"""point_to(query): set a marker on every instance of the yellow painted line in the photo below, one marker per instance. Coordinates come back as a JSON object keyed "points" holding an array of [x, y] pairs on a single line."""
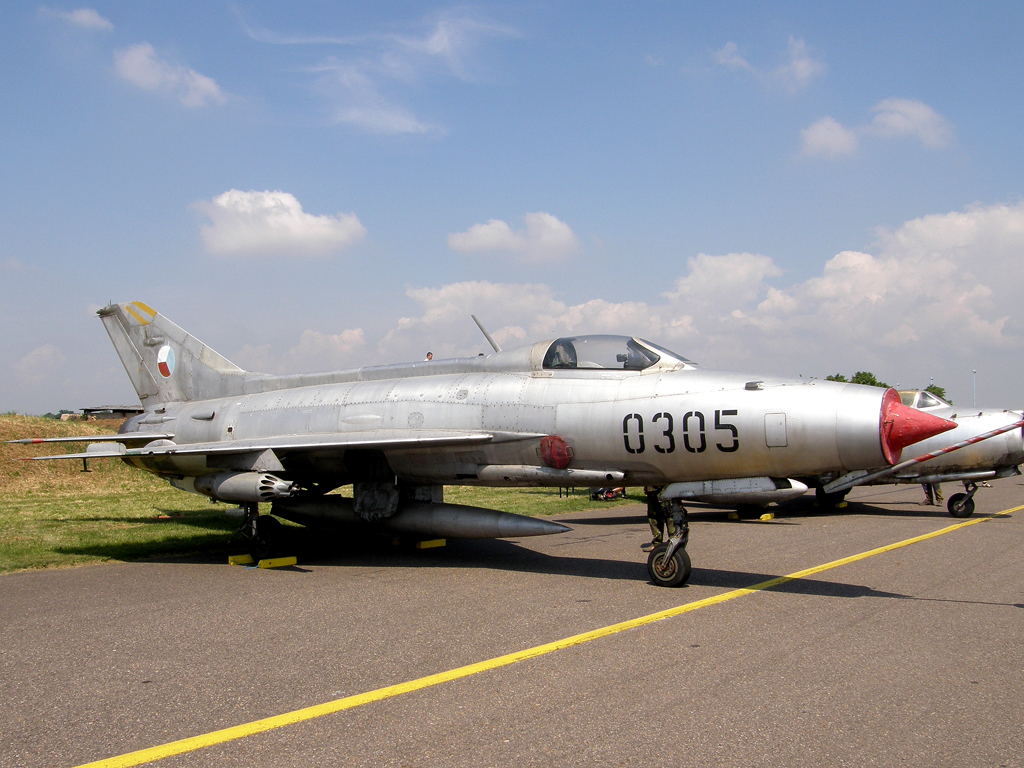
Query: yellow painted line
{"points": [[136, 315], [194, 743]]}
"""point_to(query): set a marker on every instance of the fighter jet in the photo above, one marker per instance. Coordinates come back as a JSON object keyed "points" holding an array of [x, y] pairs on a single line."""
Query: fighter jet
{"points": [[998, 456], [574, 411]]}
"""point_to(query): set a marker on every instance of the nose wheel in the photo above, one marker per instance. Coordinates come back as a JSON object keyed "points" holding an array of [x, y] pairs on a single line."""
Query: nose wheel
{"points": [[668, 570], [962, 504], [668, 565]]}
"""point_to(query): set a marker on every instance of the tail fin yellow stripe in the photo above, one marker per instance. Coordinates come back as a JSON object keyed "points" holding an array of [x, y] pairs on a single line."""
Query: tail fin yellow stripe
{"points": [[149, 311], [136, 315]]}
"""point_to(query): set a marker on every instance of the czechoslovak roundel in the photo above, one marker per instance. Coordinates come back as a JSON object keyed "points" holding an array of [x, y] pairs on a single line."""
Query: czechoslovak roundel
{"points": [[165, 361]]}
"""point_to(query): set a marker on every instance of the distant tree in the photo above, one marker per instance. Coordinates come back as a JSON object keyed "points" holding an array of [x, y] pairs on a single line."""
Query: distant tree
{"points": [[867, 378], [836, 377], [56, 415], [938, 391]]}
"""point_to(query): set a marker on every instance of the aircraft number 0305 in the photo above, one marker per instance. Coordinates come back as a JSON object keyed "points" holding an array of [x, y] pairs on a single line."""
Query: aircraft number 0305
{"points": [[693, 428]]}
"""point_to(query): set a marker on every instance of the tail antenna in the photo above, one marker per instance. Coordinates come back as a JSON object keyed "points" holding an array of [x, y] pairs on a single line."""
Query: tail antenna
{"points": [[487, 336]]}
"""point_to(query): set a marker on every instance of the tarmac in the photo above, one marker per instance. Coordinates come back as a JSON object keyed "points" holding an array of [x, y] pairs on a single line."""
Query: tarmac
{"points": [[910, 655]]}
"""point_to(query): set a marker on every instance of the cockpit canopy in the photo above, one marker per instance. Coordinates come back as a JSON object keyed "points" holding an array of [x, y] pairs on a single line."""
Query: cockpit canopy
{"points": [[606, 352], [922, 400]]}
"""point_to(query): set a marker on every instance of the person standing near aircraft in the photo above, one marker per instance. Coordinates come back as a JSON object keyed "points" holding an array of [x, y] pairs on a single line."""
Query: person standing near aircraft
{"points": [[932, 495]]}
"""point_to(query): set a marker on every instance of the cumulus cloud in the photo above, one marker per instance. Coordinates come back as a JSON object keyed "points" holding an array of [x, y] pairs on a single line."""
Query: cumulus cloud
{"points": [[142, 67], [828, 137], [935, 295], [797, 72], [39, 365], [273, 223], [894, 119], [728, 56], [800, 69], [545, 236], [315, 351], [85, 18]]}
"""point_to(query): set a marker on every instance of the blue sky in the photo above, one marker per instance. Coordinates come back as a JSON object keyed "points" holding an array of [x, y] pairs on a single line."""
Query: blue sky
{"points": [[796, 190]]}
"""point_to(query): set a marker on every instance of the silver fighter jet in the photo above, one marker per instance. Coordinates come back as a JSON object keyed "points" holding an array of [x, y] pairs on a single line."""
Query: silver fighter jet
{"points": [[574, 411], [997, 456]]}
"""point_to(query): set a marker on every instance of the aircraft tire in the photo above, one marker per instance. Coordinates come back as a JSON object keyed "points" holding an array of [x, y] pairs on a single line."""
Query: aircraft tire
{"points": [[749, 511], [672, 573], [960, 505], [268, 536], [829, 499]]}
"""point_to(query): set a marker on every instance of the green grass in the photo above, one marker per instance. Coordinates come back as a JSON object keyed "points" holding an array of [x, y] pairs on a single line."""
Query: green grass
{"points": [[38, 530], [53, 515]]}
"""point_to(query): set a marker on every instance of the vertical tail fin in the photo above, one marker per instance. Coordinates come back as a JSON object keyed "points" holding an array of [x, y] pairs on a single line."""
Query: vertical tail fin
{"points": [[165, 363]]}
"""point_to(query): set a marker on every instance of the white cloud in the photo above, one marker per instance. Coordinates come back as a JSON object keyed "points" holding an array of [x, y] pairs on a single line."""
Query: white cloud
{"points": [[828, 137], [315, 351], [800, 69], [140, 66], [381, 118], [938, 294], [544, 237], [273, 223], [327, 348], [86, 18], [894, 118], [728, 56], [367, 88], [39, 365]]}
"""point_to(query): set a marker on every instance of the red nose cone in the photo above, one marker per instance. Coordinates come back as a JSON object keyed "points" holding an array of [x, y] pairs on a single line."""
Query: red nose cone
{"points": [[900, 426]]}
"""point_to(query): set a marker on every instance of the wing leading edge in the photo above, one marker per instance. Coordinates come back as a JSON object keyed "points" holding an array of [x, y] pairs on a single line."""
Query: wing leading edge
{"points": [[378, 439]]}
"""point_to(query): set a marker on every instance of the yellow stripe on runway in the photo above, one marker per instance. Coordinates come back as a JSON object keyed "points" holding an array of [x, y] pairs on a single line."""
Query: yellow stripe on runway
{"points": [[350, 702]]}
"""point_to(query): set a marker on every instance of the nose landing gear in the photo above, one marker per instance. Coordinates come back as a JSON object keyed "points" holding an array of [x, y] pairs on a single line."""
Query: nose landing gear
{"points": [[668, 565], [962, 504]]}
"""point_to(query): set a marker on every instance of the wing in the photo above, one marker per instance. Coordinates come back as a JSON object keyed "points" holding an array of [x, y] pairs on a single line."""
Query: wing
{"points": [[126, 439], [382, 439]]}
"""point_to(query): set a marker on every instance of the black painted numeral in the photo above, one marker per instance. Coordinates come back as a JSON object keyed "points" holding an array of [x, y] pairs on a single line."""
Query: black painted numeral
{"points": [[719, 424], [639, 433], [703, 444], [666, 417]]}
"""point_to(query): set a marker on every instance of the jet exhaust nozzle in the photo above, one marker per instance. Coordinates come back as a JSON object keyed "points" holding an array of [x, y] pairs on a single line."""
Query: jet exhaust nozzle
{"points": [[253, 487], [432, 520]]}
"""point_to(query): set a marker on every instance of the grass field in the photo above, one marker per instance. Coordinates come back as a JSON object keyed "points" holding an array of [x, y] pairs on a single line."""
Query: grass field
{"points": [[52, 514]]}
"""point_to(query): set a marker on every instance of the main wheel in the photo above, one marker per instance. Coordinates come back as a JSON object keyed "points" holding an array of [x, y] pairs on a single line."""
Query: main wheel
{"points": [[669, 572], [268, 536], [749, 511], [829, 499], [960, 505]]}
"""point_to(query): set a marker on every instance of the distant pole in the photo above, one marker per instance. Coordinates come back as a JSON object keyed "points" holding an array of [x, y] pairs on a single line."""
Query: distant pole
{"points": [[974, 385]]}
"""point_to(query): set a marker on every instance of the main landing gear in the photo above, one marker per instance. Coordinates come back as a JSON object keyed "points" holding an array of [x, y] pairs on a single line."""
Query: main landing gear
{"points": [[962, 504], [668, 565], [259, 532]]}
